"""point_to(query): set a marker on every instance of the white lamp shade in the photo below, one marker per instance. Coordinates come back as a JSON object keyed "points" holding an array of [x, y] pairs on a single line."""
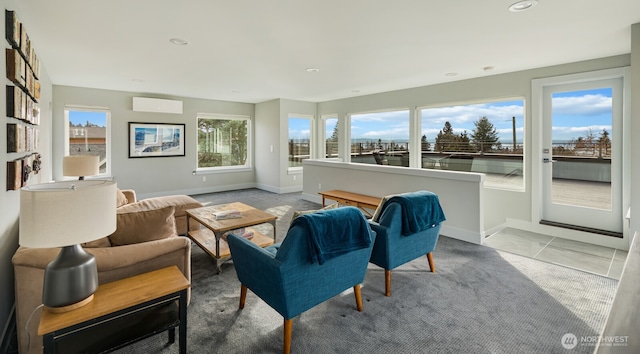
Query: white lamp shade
{"points": [[66, 213], [81, 165]]}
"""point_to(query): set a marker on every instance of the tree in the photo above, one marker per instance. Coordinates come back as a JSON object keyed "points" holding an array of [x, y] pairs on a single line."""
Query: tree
{"points": [[448, 141], [604, 143], [425, 144], [334, 136], [332, 142], [485, 136]]}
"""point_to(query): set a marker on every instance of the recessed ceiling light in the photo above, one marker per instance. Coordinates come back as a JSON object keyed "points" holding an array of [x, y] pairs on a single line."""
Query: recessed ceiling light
{"points": [[451, 74], [178, 41], [312, 70], [523, 5]]}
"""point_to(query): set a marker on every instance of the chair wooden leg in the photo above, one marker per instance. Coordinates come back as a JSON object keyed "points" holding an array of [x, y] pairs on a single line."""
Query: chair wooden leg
{"points": [[356, 291], [288, 325], [431, 265], [387, 282], [243, 295]]}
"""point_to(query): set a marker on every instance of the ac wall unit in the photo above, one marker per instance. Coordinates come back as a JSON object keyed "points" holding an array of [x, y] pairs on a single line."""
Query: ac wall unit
{"points": [[156, 105]]}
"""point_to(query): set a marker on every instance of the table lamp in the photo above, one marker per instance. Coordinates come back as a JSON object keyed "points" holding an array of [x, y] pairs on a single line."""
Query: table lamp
{"points": [[66, 214], [81, 165]]}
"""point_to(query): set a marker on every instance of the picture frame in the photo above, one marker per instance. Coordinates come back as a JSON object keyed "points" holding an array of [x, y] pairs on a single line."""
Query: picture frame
{"points": [[156, 140]]}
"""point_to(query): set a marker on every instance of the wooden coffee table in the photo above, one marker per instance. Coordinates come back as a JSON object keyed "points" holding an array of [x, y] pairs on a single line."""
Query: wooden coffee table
{"points": [[210, 239]]}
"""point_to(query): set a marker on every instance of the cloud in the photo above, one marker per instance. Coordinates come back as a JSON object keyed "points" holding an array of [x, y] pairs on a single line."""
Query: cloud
{"points": [[580, 131], [589, 105], [467, 114]]}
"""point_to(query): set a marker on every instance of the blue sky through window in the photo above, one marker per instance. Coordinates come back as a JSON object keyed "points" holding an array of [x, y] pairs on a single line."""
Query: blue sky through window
{"points": [[82, 117], [299, 128], [576, 112]]}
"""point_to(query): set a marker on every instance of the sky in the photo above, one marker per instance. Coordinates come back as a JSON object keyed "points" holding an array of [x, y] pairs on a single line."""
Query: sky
{"points": [[299, 128], [81, 117], [574, 113]]}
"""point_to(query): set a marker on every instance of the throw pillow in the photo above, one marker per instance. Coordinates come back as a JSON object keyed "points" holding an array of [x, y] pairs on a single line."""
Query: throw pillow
{"points": [[298, 213], [378, 212], [121, 199], [143, 226], [99, 243]]}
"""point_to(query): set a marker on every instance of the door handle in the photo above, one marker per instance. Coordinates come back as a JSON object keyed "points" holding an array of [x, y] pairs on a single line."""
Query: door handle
{"points": [[548, 160]]}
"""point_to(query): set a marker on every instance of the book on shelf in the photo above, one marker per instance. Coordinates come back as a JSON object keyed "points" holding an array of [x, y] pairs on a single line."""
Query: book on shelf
{"points": [[227, 214], [242, 232]]}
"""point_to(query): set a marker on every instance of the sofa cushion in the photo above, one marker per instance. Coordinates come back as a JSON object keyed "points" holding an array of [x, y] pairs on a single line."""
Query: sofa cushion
{"points": [[181, 203], [143, 225], [121, 198]]}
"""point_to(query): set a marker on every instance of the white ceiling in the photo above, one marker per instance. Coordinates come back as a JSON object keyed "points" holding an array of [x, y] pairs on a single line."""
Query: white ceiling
{"points": [[257, 50]]}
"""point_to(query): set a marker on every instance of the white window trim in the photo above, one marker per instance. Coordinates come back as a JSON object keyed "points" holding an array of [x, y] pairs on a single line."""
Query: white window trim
{"points": [[225, 169], [107, 111], [525, 147], [322, 135], [312, 149]]}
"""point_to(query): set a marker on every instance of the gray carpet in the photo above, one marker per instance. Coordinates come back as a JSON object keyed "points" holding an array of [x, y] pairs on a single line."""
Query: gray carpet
{"points": [[480, 301]]}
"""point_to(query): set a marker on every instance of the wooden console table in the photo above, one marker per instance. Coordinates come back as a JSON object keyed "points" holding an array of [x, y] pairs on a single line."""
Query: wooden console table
{"points": [[361, 201], [122, 312]]}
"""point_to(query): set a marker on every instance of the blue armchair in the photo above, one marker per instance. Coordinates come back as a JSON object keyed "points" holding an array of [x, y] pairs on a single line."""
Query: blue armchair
{"points": [[323, 254], [407, 226]]}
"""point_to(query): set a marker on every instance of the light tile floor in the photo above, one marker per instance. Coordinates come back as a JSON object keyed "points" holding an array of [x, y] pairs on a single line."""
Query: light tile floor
{"points": [[584, 256]]}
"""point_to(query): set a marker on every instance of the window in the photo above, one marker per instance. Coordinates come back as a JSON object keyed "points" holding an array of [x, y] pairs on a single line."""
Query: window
{"points": [[330, 137], [223, 141], [88, 133], [485, 137], [299, 140], [380, 138]]}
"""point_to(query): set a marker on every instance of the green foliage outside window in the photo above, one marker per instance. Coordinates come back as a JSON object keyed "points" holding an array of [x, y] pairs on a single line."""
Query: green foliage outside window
{"points": [[222, 142]]}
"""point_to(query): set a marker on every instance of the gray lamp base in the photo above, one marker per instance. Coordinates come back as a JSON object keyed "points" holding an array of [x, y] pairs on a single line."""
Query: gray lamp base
{"points": [[70, 279]]}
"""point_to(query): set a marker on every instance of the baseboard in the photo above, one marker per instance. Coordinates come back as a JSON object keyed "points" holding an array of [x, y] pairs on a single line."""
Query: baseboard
{"points": [[278, 190], [462, 235], [315, 198], [9, 333]]}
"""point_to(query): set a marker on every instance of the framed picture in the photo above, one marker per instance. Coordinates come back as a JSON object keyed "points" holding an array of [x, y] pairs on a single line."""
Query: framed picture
{"points": [[156, 139]]}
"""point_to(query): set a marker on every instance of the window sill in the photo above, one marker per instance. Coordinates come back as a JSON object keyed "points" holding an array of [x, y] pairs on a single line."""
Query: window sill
{"points": [[211, 171]]}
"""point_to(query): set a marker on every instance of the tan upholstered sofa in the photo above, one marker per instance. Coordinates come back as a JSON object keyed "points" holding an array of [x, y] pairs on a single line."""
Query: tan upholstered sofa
{"points": [[128, 202], [146, 239]]}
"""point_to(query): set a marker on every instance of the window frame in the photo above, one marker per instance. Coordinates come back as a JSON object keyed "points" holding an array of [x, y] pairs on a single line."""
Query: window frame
{"points": [[349, 134], [323, 137], [248, 166], [108, 140], [311, 118], [488, 101]]}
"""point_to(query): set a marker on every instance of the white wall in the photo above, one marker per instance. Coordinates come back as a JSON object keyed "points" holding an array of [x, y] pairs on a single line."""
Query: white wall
{"points": [[157, 175], [460, 194], [272, 147], [10, 200], [635, 128], [267, 145]]}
